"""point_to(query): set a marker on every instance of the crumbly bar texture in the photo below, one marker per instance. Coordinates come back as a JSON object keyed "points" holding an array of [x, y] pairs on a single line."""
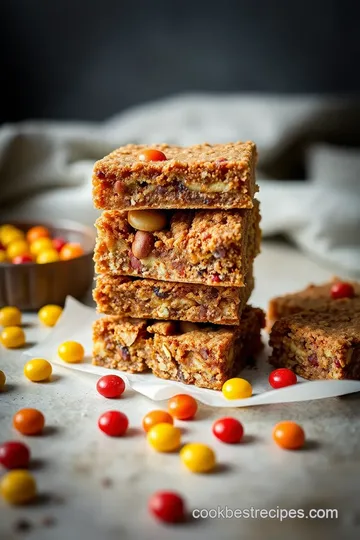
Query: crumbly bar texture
{"points": [[153, 299], [212, 247], [205, 356], [312, 297], [319, 344], [201, 176]]}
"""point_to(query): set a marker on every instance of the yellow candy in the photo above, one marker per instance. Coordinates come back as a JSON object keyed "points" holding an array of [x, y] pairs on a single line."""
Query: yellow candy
{"points": [[41, 244], [237, 389], [18, 487], [12, 337], [37, 370], [2, 379], [18, 247], [49, 314], [71, 352], [5, 228], [10, 316], [3, 257], [47, 256], [10, 235], [198, 457], [164, 437]]}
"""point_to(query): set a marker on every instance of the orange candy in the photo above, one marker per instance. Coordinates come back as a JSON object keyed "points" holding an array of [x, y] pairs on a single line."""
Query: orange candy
{"points": [[152, 155], [71, 251], [289, 435], [153, 418], [182, 407], [37, 232], [29, 421]]}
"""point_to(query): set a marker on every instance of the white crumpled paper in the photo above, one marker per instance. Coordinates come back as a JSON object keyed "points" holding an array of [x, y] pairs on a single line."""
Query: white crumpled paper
{"points": [[75, 324]]}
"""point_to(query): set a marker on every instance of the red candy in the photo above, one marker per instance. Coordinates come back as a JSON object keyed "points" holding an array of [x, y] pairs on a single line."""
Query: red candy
{"points": [[22, 259], [58, 244], [167, 506], [228, 430], [279, 378], [342, 290], [110, 386], [113, 423], [152, 155], [14, 455]]}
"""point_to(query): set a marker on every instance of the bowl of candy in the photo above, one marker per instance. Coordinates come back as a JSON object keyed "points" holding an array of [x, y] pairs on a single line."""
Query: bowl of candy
{"points": [[42, 264]]}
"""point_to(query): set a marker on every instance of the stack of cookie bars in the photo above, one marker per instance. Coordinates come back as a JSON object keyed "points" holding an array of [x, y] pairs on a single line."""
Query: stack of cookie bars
{"points": [[174, 257]]}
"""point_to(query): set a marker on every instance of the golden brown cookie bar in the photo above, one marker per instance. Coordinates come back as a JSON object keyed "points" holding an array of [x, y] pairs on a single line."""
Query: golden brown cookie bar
{"points": [[201, 176], [204, 355], [322, 343], [153, 299], [312, 297], [212, 247]]}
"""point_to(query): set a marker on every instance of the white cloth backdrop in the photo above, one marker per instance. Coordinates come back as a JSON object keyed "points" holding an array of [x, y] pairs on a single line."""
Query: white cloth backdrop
{"points": [[45, 167]]}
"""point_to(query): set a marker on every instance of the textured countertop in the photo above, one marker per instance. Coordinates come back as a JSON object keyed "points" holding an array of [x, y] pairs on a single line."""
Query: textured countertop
{"points": [[93, 487]]}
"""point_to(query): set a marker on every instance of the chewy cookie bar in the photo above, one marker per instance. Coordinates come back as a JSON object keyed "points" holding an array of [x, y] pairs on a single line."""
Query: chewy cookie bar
{"points": [[313, 297], [212, 247], [150, 299], [319, 344], [201, 176], [204, 355]]}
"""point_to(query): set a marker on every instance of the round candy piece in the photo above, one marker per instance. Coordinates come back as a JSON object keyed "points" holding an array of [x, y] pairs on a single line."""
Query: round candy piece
{"points": [[22, 259], [10, 235], [164, 437], [2, 379], [71, 251], [37, 232], [237, 388], [3, 230], [182, 407], [155, 417], [14, 455], [38, 370], [110, 386], [47, 256], [113, 423], [342, 290], [39, 245], [29, 421], [289, 435], [71, 352], [198, 457], [279, 378], [18, 487], [58, 243], [152, 155], [12, 337], [228, 430], [50, 314], [10, 316], [16, 248], [147, 220], [167, 506]]}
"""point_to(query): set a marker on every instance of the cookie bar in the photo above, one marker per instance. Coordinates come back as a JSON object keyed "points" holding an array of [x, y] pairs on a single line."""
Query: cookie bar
{"points": [[201, 176], [212, 247], [319, 344], [204, 355], [312, 297], [150, 299]]}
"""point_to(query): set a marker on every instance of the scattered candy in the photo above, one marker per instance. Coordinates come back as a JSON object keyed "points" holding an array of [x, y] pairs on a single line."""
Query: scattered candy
{"points": [[18, 487], [39, 245], [155, 417], [58, 244], [164, 437], [16, 248], [113, 423], [342, 290], [47, 256], [182, 407], [50, 314], [228, 430], [14, 455], [10, 316], [2, 379], [152, 155], [12, 337], [167, 506], [71, 352], [237, 388], [37, 232], [22, 259], [279, 378], [289, 435], [37, 370], [198, 457], [71, 251], [29, 421], [110, 386]]}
